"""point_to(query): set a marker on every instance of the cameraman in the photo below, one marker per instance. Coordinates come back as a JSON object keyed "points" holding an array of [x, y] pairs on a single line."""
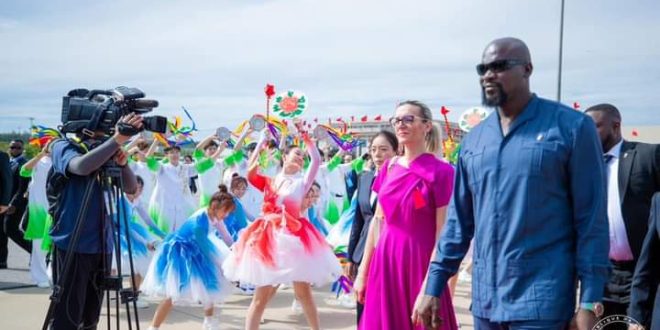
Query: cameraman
{"points": [[82, 295]]}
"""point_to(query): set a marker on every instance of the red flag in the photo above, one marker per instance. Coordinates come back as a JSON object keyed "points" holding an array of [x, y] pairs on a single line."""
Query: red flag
{"points": [[377, 118], [363, 119], [444, 111], [634, 132], [339, 119], [576, 106]]}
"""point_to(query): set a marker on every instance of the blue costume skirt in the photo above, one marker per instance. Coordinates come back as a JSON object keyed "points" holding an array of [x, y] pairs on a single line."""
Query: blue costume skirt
{"points": [[187, 266]]}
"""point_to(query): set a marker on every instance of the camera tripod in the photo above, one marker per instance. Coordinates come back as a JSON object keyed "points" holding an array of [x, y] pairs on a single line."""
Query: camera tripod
{"points": [[110, 181]]}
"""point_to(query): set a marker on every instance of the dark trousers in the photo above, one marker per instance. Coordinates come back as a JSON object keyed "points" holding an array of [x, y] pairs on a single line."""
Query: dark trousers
{"points": [[10, 229], [485, 324], [360, 309], [617, 291], [82, 296]]}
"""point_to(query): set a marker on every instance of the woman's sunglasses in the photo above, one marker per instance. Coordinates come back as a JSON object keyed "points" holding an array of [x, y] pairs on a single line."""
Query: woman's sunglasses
{"points": [[406, 120]]}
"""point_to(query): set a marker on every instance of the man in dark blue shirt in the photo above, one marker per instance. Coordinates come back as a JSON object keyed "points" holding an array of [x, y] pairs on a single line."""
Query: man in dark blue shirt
{"points": [[82, 296], [530, 188]]}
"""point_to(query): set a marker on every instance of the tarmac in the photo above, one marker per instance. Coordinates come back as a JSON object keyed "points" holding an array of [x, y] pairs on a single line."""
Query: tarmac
{"points": [[24, 306]]}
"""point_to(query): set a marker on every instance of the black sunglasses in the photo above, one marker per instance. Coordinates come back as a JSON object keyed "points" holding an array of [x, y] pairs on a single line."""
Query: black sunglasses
{"points": [[15, 148], [498, 66]]}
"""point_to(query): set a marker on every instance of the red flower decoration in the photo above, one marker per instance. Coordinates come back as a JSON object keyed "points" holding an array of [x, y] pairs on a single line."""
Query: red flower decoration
{"points": [[444, 111], [269, 90]]}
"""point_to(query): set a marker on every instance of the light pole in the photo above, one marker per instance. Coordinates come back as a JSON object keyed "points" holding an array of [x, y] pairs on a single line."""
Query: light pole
{"points": [[561, 46]]}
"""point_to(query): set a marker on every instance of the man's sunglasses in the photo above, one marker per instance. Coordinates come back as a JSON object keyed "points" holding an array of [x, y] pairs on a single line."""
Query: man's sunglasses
{"points": [[15, 148], [498, 66], [406, 120]]}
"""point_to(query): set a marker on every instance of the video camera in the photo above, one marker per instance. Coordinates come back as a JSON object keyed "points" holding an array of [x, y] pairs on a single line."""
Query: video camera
{"points": [[85, 111]]}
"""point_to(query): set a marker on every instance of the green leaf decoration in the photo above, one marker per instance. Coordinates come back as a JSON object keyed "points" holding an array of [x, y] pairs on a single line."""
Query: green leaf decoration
{"points": [[302, 99], [278, 99], [290, 93]]}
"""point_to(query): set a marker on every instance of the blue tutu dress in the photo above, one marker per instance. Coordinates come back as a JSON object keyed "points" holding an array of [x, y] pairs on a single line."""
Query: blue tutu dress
{"points": [[187, 266], [140, 238]]}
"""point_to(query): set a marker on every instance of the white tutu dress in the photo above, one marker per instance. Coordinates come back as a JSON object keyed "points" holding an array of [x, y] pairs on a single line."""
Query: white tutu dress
{"points": [[281, 246]]}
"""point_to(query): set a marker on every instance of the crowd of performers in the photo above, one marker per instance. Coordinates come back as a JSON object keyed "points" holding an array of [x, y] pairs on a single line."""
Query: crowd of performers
{"points": [[279, 212]]}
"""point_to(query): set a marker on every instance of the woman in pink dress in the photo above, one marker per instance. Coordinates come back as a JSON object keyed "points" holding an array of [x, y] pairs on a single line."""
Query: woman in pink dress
{"points": [[413, 193]]}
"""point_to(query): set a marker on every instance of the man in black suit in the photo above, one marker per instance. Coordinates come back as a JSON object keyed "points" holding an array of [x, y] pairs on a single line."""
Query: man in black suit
{"points": [[633, 176], [5, 182], [363, 215], [647, 275], [17, 204]]}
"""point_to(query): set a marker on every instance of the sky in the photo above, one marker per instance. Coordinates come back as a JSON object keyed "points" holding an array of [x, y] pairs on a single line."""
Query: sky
{"points": [[348, 57]]}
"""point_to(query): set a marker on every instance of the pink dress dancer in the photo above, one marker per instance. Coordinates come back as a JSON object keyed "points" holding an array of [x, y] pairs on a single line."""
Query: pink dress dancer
{"points": [[281, 247], [409, 198]]}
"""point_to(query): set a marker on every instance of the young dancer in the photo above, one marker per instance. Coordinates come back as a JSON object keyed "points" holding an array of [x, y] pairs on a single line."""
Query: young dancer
{"points": [[172, 202], [38, 219], [187, 267], [281, 247]]}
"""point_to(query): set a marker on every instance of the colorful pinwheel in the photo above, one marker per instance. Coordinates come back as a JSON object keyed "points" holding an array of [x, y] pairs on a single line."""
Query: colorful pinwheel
{"points": [[41, 135]]}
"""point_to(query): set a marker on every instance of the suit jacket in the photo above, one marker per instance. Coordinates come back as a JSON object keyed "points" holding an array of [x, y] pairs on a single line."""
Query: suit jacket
{"points": [[639, 179], [5, 179], [646, 283], [363, 216], [19, 184]]}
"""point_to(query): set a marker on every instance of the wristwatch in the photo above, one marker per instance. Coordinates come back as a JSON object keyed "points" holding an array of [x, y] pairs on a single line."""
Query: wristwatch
{"points": [[597, 308]]}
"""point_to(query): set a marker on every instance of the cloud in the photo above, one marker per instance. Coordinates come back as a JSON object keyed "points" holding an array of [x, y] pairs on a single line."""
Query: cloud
{"points": [[349, 57]]}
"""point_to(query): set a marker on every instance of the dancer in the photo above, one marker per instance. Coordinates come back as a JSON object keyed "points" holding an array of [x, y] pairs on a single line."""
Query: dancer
{"points": [[172, 201], [282, 247], [238, 219], [187, 266], [313, 213], [142, 152], [142, 241], [38, 219], [209, 167], [413, 192]]}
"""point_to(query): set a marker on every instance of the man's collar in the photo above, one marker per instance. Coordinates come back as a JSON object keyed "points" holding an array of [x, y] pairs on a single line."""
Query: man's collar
{"points": [[17, 157], [616, 150]]}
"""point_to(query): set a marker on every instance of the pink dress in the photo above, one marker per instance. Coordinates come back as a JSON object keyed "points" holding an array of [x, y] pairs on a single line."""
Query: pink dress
{"points": [[409, 198]]}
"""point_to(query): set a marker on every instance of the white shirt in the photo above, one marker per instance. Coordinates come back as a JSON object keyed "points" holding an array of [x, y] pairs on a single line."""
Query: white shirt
{"points": [[619, 246]]}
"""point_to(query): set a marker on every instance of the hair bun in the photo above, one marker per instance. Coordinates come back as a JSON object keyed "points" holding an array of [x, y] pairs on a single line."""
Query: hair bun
{"points": [[223, 188]]}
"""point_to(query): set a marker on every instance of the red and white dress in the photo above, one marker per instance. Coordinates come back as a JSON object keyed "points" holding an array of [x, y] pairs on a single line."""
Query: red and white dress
{"points": [[281, 246]]}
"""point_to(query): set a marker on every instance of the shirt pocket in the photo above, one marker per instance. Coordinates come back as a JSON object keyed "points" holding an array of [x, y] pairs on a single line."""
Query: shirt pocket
{"points": [[543, 158], [473, 160]]}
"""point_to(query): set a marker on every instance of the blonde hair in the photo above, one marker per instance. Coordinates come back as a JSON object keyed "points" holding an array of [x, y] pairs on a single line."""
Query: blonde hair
{"points": [[432, 138]]}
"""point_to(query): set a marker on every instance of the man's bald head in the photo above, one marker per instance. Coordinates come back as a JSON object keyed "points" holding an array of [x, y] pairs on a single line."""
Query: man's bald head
{"points": [[512, 48], [504, 73]]}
